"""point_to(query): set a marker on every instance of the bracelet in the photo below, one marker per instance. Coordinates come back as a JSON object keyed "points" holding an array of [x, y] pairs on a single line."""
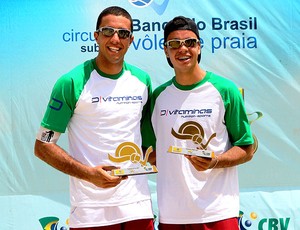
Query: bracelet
{"points": [[217, 161]]}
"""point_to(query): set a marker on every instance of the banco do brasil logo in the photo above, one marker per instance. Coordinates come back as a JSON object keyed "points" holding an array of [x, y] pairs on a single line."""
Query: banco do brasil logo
{"points": [[140, 3], [159, 8]]}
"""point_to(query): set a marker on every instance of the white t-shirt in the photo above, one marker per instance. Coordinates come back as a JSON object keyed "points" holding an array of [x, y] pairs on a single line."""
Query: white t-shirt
{"points": [[207, 115], [101, 113]]}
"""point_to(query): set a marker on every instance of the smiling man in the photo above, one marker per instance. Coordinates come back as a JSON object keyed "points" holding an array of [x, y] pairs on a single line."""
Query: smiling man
{"points": [[196, 111], [87, 102]]}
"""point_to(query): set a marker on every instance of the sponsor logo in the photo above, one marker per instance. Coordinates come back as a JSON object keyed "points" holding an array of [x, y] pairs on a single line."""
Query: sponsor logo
{"points": [[51, 223], [55, 104], [252, 221], [118, 100], [47, 136], [159, 8], [187, 112]]}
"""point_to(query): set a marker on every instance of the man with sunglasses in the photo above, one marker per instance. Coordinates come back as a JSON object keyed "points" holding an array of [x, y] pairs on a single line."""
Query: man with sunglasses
{"points": [[102, 103], [196, 112]]}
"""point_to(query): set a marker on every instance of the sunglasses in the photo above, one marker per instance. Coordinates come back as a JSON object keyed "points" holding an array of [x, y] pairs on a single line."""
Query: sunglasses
{"points": [[176, 43], [109, 31]]}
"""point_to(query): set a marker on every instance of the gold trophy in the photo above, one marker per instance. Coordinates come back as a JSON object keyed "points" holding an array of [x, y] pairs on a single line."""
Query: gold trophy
{"points": [[129, 151]]}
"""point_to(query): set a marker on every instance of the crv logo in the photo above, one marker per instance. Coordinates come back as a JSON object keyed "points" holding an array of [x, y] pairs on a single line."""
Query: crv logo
{"points": [[274, 224]]}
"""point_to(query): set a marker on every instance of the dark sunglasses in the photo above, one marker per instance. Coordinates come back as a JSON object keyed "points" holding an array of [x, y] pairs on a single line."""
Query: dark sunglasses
{"points": [[109, 31], [176, 43]]}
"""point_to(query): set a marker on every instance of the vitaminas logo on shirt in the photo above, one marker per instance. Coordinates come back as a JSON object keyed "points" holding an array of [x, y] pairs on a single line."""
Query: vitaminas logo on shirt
{"points": [[118, 100]]}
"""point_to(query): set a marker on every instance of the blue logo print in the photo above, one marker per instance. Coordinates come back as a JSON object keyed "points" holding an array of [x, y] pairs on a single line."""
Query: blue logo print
{"points": [[246, 224], [141, 3], [158, 8]]}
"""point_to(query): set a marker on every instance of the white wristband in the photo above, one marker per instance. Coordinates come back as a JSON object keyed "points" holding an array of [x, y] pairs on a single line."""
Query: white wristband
{"points": [[47, 135], [217, 161]]}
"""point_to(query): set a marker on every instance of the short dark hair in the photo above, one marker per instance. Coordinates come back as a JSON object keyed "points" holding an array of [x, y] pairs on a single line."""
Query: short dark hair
{"points": [[117, 11], [180, 23]]}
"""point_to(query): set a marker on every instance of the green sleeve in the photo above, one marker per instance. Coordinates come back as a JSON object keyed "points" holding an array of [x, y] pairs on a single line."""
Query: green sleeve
{"points": [[149, 138], [64, 97], [61, 105], [236, 119]]}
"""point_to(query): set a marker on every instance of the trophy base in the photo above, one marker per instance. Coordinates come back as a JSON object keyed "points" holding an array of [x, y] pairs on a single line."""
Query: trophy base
{"points": [[149, 169], [191, 152]]}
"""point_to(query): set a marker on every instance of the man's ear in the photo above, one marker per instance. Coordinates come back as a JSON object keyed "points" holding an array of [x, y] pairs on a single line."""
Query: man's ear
{"points": [[166, 52], [96, 35], [131, 40]]}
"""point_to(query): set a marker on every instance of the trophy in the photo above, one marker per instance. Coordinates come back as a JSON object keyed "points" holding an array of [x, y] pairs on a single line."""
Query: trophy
{"points": [[129, 151], [191, 152]]}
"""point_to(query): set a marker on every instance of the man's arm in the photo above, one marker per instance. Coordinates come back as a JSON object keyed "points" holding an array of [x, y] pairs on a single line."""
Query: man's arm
{"points": [[152, 158], [58, 158], [234, 156]]}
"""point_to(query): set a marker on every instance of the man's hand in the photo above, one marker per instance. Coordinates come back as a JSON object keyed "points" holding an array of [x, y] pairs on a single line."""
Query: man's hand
{"points": [[102, 178], [234, 156], [201, 163]]}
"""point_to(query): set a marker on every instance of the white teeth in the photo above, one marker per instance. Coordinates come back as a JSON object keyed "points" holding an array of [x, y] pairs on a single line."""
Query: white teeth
{"points": [[183, 58], [114, 49]]}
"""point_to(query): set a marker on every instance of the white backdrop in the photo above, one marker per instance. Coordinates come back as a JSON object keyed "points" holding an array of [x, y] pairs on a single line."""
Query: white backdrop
{"points": [[254, 43]]}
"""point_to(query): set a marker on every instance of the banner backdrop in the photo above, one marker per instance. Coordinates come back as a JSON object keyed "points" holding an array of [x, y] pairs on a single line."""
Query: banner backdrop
{"points": [[254, 43]]}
